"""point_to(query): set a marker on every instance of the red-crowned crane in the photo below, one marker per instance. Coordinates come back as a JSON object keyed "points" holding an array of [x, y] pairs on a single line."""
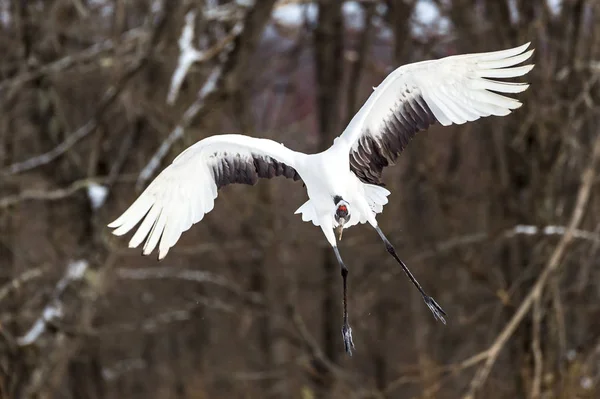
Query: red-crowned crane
{"points": [[344, 182]]}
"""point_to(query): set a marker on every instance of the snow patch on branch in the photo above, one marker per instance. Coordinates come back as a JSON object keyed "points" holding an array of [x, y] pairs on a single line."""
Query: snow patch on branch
{"points": [[221, 51], [54, 310], [209, 87], [187, 57], [97, 195], [51, 312], [552, 230]]}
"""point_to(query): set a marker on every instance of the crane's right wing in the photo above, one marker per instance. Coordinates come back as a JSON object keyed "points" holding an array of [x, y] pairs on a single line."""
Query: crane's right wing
{"points": [[186, 190], [454, 89]]}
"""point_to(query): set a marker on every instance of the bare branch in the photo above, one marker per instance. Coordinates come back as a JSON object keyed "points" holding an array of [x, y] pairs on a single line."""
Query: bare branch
{"points": [[470, 239], [121, 367], [315, 351], [63, 147], [95, 185], [110, 95], [18, 281], [54, 310], [552, 230], [230, 64], [199, 276], [154, 323], [190, 55], [129, 38], [587, 179], [536, 388], [210, 86]]}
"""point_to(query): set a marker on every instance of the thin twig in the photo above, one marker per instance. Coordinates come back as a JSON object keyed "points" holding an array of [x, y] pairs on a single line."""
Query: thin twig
{"points": [[18, 281], [150, 324], [538, 364], [450, 368], [584, 273], [121, 156], [198, 276], [559, 313], [59, 193], [315, 351], [121, 367], [63, 147], [47, 195], [68, 61]]}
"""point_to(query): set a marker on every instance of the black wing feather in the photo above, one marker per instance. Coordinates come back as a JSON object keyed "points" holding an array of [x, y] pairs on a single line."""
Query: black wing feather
{"points": [[236, 169], [401, 124]]}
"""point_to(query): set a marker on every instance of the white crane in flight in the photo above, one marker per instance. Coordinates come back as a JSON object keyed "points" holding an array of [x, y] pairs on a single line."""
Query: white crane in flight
{"points": [[344, 182]]}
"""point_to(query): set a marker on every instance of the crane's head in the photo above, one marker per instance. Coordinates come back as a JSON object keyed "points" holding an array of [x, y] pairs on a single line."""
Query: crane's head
{"points": [[341, 215]]}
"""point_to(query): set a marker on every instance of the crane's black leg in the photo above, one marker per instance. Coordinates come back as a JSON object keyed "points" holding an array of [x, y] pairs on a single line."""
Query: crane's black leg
{"points": [[438, 312], [346, 329]]}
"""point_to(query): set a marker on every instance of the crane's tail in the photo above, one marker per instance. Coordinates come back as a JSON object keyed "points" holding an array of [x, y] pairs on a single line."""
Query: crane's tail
{"points": [[376, 196], [309, 213]]}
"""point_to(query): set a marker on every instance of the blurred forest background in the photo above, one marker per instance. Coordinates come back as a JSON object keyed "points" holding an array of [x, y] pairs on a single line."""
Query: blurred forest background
{"points": [[496, 218]]}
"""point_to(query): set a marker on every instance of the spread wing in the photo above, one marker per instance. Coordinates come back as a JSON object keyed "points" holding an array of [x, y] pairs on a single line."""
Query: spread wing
{"points": [[454, 89], [186, 190]]}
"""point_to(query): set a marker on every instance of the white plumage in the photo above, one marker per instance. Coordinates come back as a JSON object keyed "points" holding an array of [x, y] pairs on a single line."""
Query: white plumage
{"points": [[343, 182]]}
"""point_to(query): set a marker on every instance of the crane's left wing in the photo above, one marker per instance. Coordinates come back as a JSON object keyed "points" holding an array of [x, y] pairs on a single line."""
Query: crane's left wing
{"points": [[186, 190], [449, 90]]}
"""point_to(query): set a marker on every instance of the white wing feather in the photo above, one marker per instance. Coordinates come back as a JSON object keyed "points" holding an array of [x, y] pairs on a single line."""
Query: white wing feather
{"points": [[455, 88], [186, 190]]}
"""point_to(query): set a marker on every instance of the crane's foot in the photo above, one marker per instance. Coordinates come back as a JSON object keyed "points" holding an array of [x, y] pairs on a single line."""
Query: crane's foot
{"points": [[437, 310], [347, 334]]}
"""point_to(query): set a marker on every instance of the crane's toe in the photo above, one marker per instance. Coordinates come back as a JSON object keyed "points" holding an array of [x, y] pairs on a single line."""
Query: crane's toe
{"points": [[348, 342], [437, 310]]}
